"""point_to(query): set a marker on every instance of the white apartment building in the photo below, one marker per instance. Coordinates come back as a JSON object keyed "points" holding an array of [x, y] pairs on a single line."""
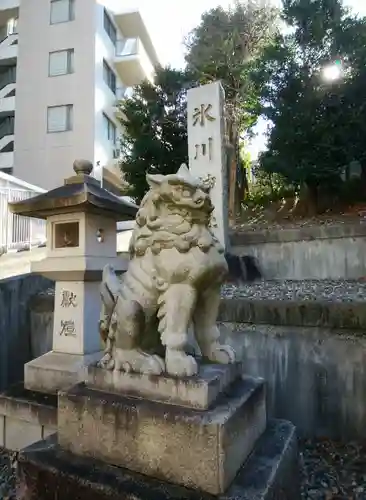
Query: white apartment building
{"points": [[64, 64]]}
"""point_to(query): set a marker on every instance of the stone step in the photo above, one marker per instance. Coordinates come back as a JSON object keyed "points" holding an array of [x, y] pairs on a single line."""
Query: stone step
{"points": [[199, 391], [322, 303], [195, 448], [271, 471], [25, 417]]}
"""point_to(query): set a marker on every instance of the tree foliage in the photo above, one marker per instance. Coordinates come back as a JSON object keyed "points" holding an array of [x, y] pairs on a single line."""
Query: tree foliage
{"points": [[225, 46], [318, 125], [155, 129]]}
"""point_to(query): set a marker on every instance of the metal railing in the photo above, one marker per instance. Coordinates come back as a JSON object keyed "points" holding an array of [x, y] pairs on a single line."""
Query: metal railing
{"points": [[18, 232], [134, 47], [127, 47]]}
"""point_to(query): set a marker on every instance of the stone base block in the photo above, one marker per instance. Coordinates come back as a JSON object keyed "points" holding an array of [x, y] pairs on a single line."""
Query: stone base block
{"points": [[271, 473], [198, 392], [26, 417], [198, 449], [56, 371]]}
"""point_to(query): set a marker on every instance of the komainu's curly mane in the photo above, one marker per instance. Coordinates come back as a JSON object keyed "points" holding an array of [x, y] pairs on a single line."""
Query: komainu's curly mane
{"points": [[170, 218]]}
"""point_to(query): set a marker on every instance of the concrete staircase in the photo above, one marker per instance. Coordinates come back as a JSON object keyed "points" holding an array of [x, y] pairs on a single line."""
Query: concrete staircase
{"points": [[307, 340]]}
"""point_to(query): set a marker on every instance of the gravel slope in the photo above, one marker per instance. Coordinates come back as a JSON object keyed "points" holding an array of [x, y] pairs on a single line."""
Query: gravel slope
{"points": [[328, 290]]}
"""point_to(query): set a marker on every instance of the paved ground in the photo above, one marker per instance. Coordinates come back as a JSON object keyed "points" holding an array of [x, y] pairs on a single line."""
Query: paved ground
{"points": [[330, 471]]}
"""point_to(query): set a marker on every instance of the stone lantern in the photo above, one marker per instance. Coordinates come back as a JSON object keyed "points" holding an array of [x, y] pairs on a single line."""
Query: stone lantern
{"points": [[81, 221]]}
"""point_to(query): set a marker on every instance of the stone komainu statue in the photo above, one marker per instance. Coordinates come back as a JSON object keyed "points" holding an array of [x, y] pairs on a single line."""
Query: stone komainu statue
{"points": [[172, 283]]}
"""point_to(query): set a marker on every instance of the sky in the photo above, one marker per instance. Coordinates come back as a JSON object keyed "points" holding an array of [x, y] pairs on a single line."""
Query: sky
{"points": [[169, 21]]}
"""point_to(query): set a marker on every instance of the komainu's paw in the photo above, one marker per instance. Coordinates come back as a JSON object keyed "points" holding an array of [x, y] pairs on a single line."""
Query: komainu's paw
{"points": [[134, 360], [223, 354], [180, 364], [154, 365], [107, 362]]}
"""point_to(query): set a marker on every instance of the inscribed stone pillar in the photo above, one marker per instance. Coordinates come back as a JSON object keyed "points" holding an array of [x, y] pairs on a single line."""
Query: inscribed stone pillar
{"points": [[206, 148]]}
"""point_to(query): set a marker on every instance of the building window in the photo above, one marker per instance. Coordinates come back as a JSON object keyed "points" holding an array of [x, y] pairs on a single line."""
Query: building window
{"points": [[12, 26], [59, 118], [62, 11], [61, 62], [110, 129], [109, 77], [109, 27]]}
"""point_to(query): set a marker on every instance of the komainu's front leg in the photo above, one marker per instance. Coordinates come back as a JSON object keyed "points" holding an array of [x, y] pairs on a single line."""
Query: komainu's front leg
{"points": [[176, 306], [122, 324], [128, 356], [206, 330]]}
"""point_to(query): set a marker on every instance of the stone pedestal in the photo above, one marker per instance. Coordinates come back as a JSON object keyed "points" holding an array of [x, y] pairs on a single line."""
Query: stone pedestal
{"points": [[47, 471], [199, 392], [197, 438], [198, 449], [56, 371]]}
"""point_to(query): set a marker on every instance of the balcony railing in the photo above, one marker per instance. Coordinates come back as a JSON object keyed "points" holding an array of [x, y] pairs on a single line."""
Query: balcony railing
{"points": [[7, 127], [18, 232], [133, 62], [133, 47], [9, 46], [128, 47], [8, 77]]}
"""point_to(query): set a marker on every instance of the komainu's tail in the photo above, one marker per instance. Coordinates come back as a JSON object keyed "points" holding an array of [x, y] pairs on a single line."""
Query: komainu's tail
{"points": [[109, 289], [242, 268], [110, 285]]}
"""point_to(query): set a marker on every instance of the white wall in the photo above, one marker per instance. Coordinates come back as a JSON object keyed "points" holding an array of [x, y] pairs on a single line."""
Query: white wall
{"points": [[104, 97], [41, 158]]}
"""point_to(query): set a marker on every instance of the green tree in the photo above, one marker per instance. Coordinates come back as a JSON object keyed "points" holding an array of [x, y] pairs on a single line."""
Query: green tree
{"points": [[155, 129], [225, 46], [316, 123]]}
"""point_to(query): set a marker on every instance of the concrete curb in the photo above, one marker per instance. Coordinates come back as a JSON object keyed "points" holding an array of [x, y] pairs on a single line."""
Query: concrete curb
{"points": [[340, 315], [261, 236]]}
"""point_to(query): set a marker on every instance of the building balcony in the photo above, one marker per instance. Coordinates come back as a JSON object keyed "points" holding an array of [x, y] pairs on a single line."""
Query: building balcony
{"points": [[7, 99], [120, 96], [7, 91], [7, 161], [7, 143], [132, 25], [6, 150], [9, 49], [132, 62], [9, 4]]}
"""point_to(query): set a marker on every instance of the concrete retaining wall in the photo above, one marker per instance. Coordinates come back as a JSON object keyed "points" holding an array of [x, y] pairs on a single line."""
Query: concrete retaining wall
{"points": [[15, 328], [319, 252], [316, 377], [26, 417], [312, 355], [317, 313]]}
